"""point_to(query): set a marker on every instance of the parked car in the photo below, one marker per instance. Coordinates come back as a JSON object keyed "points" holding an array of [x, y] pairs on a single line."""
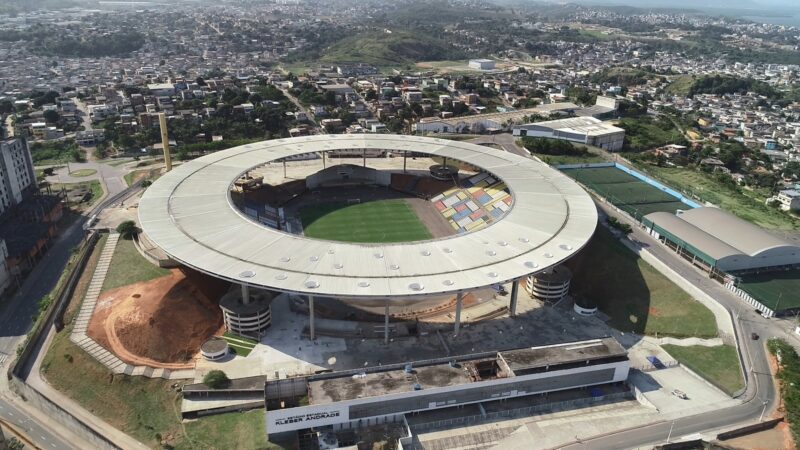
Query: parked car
{"points": [[754, 336], [680, 394]]}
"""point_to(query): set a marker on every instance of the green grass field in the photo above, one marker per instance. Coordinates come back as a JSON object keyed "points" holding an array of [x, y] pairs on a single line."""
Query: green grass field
{"points": [[774, 290], [128, 267], [746, 204], [625, 191], [375, 222], [82, 173], [242, 346], [719, 365], [636, 296]]}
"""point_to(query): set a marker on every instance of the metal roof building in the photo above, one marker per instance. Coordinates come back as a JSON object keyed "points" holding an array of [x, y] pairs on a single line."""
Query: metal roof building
{"points": [[721, 241], [189, 214], [586, 130]]}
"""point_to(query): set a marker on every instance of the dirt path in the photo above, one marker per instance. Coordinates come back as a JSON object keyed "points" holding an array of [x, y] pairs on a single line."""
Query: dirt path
{"points": [[434, 220]]}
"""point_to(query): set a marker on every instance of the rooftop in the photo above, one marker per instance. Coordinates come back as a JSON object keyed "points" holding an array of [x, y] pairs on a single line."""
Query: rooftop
{"points": [[188, 213], [384, 383], [373, 382], [529, 358]]}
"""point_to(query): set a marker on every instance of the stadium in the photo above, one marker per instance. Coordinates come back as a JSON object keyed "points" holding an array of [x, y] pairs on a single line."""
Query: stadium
{"points": [[501, 218], [372, 237]]}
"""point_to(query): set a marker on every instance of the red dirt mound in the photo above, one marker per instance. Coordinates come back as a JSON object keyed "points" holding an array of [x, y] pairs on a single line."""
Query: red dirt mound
{"points": [[161, 322]]}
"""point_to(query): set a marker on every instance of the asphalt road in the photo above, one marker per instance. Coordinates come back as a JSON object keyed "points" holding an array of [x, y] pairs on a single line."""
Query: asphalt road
{"points": [[39, 434], [16, 314], [760, 391]]}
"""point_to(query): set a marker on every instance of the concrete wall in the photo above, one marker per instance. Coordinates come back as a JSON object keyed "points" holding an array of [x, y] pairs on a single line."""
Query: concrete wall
{"points": [[39, 401], [357, 174]]}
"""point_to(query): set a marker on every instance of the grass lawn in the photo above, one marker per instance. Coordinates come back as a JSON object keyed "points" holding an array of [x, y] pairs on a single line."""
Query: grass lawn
{"points": [[555, 160], [128, 267], [680, 85], [636, 296], [94, 187], [147, 409], [745, 204], [118, 162], [83, 173], [242, 346], [774, 289], [719, 365], [243, 430], [376, 221]]}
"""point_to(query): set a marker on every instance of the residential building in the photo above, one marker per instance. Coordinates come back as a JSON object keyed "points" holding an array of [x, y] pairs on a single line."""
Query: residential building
{"points": [[16, 172], [788, 200]]}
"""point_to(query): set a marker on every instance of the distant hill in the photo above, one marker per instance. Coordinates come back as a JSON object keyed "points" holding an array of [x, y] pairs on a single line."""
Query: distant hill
{"points": [[687, 85], [382, 49], [18, 6]]}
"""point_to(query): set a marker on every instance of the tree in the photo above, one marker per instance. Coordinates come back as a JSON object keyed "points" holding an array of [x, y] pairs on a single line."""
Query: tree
{"points": [[127, 229], [51, 116], [216, 379]]}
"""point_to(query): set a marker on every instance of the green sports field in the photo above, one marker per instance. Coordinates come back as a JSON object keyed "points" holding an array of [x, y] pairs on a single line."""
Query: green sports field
{"points": [[773, 289], [374, 222], [625, 191]]}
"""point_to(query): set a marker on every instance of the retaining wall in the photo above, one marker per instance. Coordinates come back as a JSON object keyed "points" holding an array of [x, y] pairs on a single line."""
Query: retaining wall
{"points": [[59, 414]]}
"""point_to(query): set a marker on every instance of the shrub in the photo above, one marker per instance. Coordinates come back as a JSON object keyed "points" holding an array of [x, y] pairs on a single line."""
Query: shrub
{"points": [[789, 375], [127, 229], [216, 379], [624, 228]]}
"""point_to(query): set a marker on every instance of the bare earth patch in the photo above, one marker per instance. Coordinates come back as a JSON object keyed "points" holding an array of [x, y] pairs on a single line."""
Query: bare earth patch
{"points": [[161, 322]]}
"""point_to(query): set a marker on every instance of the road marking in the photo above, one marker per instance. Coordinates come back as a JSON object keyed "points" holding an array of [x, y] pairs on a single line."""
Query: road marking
{"points": [[3, 357]]}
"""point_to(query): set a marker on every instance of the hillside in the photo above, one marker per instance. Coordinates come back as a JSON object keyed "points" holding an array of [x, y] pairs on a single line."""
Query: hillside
{"points": [[384, 49], [719, 85]]}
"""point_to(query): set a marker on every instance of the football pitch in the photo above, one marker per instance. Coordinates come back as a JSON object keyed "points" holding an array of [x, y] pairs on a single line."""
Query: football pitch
{"points": [[379, 221]]}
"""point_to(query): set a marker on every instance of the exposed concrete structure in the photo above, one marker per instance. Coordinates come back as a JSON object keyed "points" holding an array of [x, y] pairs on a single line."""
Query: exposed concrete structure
{"points": [[247, 313], [549, 285]]}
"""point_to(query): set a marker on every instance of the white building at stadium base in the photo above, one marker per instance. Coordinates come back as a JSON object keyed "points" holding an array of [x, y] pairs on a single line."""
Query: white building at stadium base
{"points": [[584, 130], [364, 397]]}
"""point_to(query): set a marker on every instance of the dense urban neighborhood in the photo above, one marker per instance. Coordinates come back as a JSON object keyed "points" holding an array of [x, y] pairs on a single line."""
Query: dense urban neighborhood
{"points": [[633, 173]]}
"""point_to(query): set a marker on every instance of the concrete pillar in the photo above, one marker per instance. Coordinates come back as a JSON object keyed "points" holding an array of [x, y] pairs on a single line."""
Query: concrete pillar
{"points": [[512, 308], [386, 321], [284, 168], [245, 294], [311, 317], [162, 122], [364, 157], [405, 156], [323, 159], [457, 325]]}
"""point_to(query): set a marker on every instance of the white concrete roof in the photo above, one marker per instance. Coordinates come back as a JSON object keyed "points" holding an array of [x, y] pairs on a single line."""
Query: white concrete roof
{"points": [[189, 214]]}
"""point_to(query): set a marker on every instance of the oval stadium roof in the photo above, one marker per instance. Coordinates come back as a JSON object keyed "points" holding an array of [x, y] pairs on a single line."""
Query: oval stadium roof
{"points": [[189, 214]]}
